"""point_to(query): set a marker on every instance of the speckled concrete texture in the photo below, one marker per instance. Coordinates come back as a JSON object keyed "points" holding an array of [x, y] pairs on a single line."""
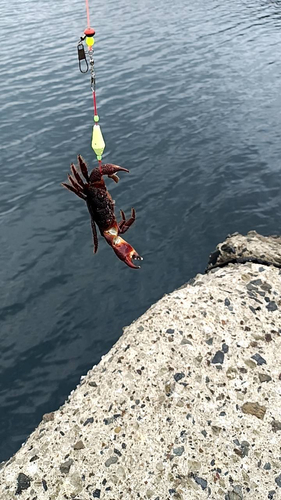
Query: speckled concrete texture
{"points": [[186, 405], [252, 247]]}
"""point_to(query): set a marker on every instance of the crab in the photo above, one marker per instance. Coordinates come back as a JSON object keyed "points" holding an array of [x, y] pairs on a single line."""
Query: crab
{"points": [[93, 191]]}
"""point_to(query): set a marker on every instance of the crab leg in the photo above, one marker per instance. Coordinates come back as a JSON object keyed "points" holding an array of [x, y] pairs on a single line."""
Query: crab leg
{"points": [[95, 236], [125, 224], [77, 176], [74, 183], [83, 167], [74, 190]]}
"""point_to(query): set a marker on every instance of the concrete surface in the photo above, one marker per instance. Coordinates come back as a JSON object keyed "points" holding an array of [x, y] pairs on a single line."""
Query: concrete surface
{"points": [[186, 405], [252, 247]]}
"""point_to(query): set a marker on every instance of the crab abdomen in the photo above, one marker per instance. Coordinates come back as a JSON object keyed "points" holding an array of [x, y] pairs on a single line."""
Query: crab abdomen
{"points": [[101, 207]]}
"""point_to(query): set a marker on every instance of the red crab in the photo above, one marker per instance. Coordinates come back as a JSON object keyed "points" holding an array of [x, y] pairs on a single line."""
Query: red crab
{"points": [[101, 208]]}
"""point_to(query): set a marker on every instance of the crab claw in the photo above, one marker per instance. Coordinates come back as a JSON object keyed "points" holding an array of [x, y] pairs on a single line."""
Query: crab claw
{"points": [[114, 177], [123, 250], [126, 252], [107, 169], [110, 169]]}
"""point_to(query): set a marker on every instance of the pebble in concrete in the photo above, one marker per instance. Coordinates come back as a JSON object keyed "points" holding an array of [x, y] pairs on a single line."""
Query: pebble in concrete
{"points": [[163, 415]]}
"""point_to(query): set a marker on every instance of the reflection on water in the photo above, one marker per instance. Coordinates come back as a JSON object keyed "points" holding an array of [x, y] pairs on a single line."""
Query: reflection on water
{"points": [[190, 101]]}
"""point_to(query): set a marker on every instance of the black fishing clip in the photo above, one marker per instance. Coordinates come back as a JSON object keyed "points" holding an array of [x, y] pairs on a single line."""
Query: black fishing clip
{"points": [[83, 66]]}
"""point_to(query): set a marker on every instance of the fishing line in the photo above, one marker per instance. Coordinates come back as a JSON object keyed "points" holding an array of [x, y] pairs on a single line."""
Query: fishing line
{"points": [[86, 63]]}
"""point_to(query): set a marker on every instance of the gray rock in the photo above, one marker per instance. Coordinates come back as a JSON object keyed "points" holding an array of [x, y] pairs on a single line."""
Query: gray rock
{"points": [[256, 247], [202, 482], [178, 451], [65, 466], [93, 384], [225, 348], [48, 417], [278, 480], [79, 445], [263, 377], [276, 425], [218, 358], [238, 490], [179, 376], [110, 461], [108, 421], [257, 282], [272, 306], [271, 494], [258, 358], [245, 446], [234, 495], [185, 341], [89, 421], [23, 483], [254, 409]]}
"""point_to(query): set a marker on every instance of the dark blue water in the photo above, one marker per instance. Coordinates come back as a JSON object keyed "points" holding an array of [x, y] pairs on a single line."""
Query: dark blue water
{"points": [[189, 99]]}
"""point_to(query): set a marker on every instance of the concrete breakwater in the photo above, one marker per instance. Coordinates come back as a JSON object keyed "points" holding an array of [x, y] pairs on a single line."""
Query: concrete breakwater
{"points": [[186, 405]]}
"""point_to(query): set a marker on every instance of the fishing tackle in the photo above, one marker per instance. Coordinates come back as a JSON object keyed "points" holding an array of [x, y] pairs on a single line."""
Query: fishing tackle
{"points": [[91, 187], [98, 143], [82, 57]]}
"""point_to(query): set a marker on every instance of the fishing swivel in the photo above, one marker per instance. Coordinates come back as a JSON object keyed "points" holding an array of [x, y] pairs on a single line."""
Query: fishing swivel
{"points": [[88, 37], [82, 56]]}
